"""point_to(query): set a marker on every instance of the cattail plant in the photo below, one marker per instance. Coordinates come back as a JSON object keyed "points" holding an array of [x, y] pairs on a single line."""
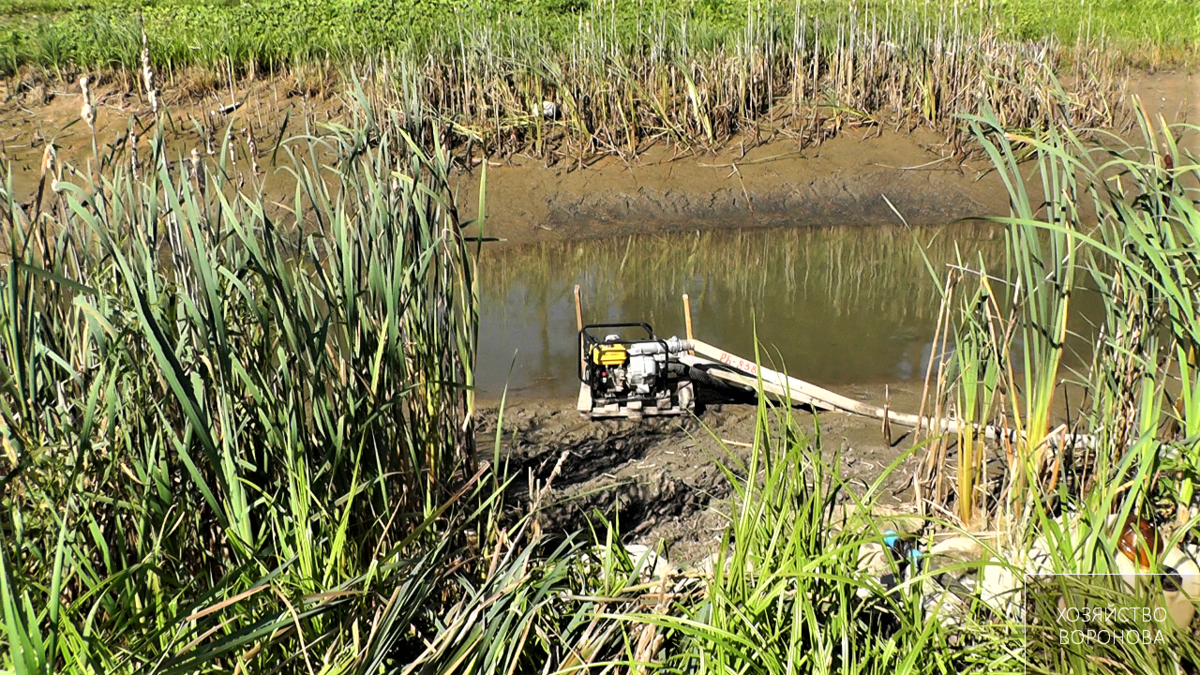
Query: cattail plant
{"points": [[868, 69], [300, 397], [1010, 362]]}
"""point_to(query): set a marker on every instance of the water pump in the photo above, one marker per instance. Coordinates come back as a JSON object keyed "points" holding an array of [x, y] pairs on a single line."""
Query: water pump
{"points": [[631, 376]]}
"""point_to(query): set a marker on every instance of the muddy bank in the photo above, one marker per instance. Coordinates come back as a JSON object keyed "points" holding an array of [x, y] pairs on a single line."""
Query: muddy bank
{"points": [[751, 181], [845, 180], [849, 179], [659, 480]]}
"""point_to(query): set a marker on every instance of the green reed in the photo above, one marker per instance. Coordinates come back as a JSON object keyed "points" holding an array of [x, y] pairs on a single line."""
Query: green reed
{"points": [[262, 34], [228, 427], [237, 437], [613, 78], [615, 85], [1124, 215]]}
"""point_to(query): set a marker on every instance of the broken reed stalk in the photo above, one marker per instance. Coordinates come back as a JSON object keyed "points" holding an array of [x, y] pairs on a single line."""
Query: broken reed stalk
{"points": [[887, 421], [943, 309], [148, 75], [931, 474]]}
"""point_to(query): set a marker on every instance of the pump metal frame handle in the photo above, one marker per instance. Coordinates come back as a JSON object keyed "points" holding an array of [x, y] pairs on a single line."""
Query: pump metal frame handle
{"points": [[586, 339]]}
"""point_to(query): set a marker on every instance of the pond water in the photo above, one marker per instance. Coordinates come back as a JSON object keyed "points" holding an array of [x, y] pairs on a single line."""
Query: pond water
{"points": [[848, 305]]}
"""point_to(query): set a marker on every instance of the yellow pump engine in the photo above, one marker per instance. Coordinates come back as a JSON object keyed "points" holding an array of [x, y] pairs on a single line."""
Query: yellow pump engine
{"points": [[630, 377]]}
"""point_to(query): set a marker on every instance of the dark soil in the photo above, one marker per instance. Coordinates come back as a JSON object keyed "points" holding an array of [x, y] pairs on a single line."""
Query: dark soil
{"points": [[659, 480]]}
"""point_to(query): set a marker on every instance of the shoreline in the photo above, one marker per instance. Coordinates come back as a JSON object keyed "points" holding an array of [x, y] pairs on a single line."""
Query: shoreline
{"points": [[846, 180], [660, 476], [854, 178]]}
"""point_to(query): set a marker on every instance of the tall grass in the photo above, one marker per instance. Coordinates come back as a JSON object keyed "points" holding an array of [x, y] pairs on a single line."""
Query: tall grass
{"points": [[278, 32], [1123, 214], [1056, 497], [803, 72], [787, 590], [228, 437], [240, 442]]}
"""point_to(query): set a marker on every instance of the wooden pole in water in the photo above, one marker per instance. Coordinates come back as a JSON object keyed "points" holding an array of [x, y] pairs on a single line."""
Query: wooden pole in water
{"points": [[579, 328], [578, 310], [687, 318], [887, 416]]}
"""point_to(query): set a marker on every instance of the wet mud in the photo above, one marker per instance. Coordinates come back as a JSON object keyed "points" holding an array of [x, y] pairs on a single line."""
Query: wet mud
{"points": [[867, 176], [669, 482]]}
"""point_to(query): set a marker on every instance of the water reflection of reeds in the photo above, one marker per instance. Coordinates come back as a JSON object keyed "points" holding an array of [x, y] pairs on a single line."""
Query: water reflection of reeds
{"points": [[845, 304], [850, 268]]}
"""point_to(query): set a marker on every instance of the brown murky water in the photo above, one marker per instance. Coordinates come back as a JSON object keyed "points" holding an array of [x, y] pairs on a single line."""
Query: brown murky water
{"points": [[833, 306], [836, 306]]}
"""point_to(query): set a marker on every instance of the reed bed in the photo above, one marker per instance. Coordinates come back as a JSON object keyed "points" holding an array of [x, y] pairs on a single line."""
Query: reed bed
{"points": [[807, 75], [1134, 399], [1088, 454], [608, 78], [266, 35], [785, 591], [236, 441], [231, 438]]}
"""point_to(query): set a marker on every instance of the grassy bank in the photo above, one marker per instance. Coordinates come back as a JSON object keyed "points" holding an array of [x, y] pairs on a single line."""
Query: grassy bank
{"points": [[270, 34], [611, 81]]}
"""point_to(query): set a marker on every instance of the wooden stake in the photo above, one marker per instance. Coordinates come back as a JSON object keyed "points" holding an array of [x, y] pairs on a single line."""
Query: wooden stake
{"points": [[579, 327], [687, 317], [887, 418], [578, 310]]}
